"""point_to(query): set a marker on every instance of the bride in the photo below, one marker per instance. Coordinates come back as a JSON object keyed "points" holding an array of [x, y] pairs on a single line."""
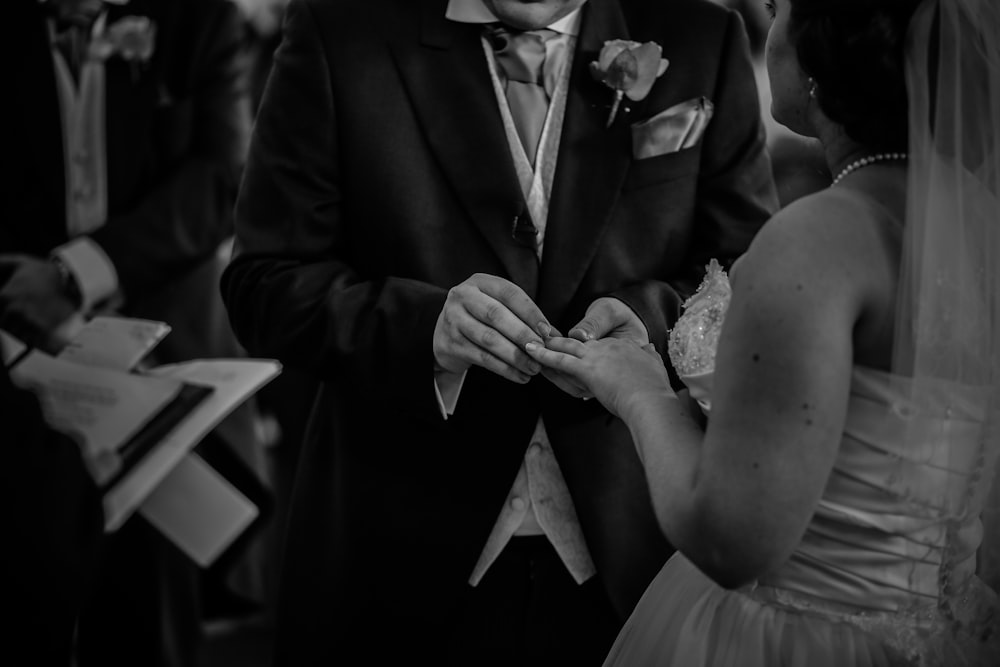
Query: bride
{"points": [[831, 512]]}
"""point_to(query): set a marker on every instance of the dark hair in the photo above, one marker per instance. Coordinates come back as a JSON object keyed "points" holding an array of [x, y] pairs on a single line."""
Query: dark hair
{"points": [[854, 51]]}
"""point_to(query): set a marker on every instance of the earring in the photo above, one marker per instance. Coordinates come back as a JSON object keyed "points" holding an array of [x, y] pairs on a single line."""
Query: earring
{"points": [[812, 88]]}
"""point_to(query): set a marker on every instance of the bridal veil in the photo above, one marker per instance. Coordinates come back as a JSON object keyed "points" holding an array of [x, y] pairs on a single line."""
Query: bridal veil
{"points": [[948, 328]]}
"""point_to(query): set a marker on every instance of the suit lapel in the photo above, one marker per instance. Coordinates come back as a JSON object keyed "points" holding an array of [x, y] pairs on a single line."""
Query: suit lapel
{"points": [[129, 102], [448, 81], [130, 98], [39, 116], [593, 160]]}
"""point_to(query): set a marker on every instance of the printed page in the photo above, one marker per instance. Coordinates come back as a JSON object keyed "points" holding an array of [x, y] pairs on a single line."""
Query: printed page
{"points": [[114, 342], [103, 408], [234, 381]]}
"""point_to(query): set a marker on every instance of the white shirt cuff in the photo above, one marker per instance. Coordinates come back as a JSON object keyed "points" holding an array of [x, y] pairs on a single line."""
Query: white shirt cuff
{"points": [[92, 269], [447, 387]]}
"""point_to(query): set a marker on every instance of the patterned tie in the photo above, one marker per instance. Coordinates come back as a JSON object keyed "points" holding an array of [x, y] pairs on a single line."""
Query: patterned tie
{"points": [[520, 56]]}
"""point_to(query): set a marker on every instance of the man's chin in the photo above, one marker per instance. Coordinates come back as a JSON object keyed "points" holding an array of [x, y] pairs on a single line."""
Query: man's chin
{"points": [[532, 14]]}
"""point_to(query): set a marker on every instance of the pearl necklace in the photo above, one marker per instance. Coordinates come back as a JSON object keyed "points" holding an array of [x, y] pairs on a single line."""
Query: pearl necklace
{"points": [[865, 161]]}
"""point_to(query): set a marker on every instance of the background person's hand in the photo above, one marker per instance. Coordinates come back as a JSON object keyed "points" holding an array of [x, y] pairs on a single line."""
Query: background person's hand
{"points": [[610, 317], [486, 321], [33, 302]]}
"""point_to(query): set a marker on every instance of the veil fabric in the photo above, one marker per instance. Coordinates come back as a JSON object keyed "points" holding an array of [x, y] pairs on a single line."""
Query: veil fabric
{"points": [[948, 325]]}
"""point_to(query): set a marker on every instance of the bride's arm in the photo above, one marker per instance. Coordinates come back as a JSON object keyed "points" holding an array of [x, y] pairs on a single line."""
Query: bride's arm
{"points": [[738, 501], [737, 498]]}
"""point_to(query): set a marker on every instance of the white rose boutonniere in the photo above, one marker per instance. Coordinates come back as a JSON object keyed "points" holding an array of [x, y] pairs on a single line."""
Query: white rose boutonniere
{"points": [[131, 38], [628, 68]]}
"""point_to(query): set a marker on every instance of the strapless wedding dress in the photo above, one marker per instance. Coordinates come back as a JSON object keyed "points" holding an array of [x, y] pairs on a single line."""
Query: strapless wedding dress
{"points": [[880, 577]]}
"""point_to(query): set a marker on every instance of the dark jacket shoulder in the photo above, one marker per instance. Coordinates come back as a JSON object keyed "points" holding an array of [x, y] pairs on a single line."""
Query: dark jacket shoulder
{"points": [[695, 22]]}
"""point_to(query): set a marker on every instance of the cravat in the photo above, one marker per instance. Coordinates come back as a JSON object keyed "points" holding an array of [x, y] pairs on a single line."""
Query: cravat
{"points": [[520, 56], [71, 41]]}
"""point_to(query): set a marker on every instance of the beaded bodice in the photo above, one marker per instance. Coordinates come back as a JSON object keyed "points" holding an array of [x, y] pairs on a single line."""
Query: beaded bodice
{"points": [[693, 340]]}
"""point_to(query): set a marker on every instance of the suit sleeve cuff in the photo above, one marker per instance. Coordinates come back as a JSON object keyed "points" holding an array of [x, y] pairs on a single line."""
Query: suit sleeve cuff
{"points": [[91, 267], [447, 387]]}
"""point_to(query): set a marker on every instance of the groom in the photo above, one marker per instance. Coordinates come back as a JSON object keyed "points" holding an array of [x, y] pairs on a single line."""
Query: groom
{"points": [[429, 188]]}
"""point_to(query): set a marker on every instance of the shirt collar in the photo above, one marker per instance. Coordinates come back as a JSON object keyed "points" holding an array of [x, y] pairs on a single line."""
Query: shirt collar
{"points": [[475, 11]]}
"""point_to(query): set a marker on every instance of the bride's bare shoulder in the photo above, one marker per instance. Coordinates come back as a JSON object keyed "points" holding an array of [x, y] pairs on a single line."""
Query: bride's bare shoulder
{"points": [[832, 237], [831, 220], [833, 213]]}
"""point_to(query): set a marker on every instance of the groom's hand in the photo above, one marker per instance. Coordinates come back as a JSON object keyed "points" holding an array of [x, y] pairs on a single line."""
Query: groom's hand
{"points": [[486, 321], [609, 317]]}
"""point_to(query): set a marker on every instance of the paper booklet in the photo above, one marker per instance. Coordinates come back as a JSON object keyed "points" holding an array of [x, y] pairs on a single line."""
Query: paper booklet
{"points": [[114, 342], [117, 417], [137, 429]]}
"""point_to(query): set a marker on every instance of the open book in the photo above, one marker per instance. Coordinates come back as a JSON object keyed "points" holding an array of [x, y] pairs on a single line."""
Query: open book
{"points": [[137, 427], [117, 417]]}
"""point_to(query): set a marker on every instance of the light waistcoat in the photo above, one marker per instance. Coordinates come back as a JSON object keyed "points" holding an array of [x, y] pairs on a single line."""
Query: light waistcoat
{"points": [[539, 501], [81, 110]]}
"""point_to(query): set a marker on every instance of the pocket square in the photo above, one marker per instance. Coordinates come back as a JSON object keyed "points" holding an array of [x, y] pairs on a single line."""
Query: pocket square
{"points": [[673, 129]]}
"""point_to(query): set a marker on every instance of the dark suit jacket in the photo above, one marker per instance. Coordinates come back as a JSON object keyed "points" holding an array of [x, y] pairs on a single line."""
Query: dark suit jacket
{"points": [[52, 521], [177, 130], [379, 176]]}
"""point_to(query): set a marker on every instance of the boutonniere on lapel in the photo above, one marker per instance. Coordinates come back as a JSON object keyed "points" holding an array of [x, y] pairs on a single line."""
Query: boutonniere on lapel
{"points": [[628, 68], [131, 38]]}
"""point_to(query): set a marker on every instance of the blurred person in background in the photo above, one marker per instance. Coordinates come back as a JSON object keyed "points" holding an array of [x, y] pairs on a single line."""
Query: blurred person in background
{"points": [[285, 402], [798, 163], [127, 127], [53, 524], [263, 20]]}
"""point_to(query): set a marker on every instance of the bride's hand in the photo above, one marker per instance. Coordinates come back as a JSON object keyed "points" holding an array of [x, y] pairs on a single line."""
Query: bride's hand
{"points": [[617, 371], [561, 380]]}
